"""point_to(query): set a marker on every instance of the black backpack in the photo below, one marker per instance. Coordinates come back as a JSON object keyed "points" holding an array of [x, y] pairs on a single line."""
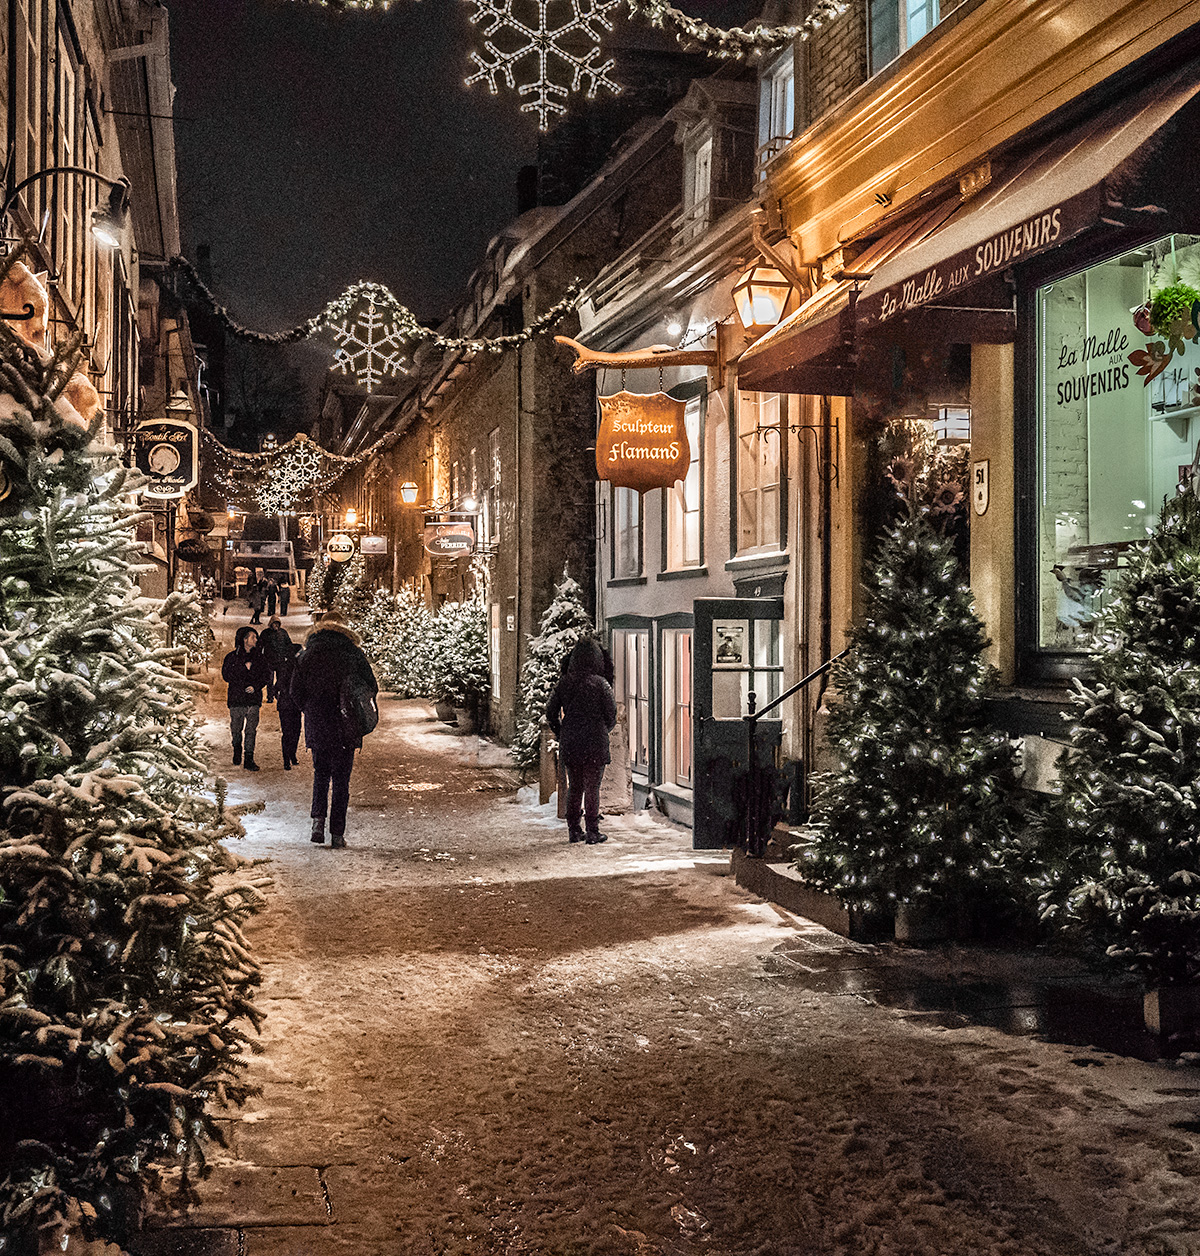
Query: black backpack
{"points": [[357, 710]]}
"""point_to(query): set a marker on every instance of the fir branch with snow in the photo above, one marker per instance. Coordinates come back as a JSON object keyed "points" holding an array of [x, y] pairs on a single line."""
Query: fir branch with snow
{"points": [[126, 987]]}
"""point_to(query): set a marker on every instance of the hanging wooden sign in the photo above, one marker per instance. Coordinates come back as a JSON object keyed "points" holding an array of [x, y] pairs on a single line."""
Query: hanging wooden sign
{"points": [[642, 443], [451, 539]]}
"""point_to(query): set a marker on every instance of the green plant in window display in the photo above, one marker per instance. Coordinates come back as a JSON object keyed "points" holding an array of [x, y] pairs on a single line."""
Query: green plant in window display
{"points": [[1172, 312]]}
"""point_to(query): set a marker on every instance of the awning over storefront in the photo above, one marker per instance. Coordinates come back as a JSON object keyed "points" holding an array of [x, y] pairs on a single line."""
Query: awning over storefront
{"points": [[1081, 179]]}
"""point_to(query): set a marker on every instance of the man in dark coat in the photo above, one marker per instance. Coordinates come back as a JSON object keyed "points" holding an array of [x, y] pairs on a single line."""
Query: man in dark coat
{"points": [[330, 655], [582, 711], [256, 596], [272, 596], [245, 672], [275, 645], [285, 596], [289, 712]]}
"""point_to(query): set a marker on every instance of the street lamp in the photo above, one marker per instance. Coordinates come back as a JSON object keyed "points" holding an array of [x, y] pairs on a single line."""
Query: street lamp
{"points": [[108, 221], [351, 518], [409, 493]]}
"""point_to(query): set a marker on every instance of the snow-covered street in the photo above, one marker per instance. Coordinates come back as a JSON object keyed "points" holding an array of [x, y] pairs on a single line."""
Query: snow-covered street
{"points": [[481, 1039]]}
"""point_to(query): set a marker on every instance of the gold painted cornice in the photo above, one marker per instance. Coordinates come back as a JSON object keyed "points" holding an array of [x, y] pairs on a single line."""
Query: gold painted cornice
{"points": [[986, 76]]}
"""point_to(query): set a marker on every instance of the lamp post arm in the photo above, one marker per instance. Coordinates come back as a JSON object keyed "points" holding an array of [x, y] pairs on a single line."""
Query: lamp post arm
{"points": [[43, 174]]}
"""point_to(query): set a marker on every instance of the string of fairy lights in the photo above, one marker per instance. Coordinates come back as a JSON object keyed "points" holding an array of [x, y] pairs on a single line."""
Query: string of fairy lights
{"points": [[279, 478], [547, 50]]}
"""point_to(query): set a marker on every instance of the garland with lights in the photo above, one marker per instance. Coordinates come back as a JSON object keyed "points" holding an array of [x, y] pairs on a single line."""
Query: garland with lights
{"points": [[737, 41]]}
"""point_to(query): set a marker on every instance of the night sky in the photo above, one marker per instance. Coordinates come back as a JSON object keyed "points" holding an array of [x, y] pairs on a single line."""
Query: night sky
{"points": [[318, 148]]}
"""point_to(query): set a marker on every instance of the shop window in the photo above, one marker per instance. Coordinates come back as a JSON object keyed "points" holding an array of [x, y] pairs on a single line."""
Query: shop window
{"points": [[631, 659], [895, 25], [627, 533], [677, 706], [1110, 446], [776, 109], [683, 504], [759, 500], [747, 656]]}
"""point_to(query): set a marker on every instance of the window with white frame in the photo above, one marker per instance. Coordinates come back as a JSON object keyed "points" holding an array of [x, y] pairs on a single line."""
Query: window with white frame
{"points": [[626, 533], [776, 108], [683, 500], [759, 500], [494, 648], [697, 185], [631, 661], [677, 706], [490, 505], [895, 25]]}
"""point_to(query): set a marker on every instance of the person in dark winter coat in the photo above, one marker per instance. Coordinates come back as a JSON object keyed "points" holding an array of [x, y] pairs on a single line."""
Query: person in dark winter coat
{"points": [[245, 672], [330, 655], [582, 711], [272, 596], [256, 596], [276, 646], [289, 712], [285, 596]]}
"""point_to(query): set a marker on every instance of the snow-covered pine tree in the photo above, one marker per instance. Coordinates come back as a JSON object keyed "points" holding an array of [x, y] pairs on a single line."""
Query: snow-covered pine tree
{"points": [[314, 584], [1120, 846], [917, 810], [403, 659], [190, 631], [125, 983], [349, 593], [461, 668], [565, 622]]}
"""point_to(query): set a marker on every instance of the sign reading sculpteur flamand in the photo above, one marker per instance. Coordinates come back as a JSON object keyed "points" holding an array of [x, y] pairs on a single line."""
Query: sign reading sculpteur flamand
{"points": [[642, 443], [165, 452]]}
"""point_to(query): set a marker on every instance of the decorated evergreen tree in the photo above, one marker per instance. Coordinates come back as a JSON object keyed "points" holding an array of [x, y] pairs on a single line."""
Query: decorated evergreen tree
{"points": [[190, 631], [125, 983], [1120, 846], [917, 809], [565, 622], [458, 646], [314, 585], [349, 593], [403, 650]]}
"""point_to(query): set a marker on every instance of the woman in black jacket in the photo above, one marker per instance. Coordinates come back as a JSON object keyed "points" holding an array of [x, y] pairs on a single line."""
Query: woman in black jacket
{"points": [[582, 711], [245, 672]]}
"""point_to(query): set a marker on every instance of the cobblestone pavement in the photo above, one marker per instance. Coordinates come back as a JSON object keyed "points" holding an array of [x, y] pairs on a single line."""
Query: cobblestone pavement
{"points": [[483, 1040]]}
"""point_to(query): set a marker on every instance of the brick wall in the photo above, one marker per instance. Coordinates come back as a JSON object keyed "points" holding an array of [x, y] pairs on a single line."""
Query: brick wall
{"points": [[835, 61]]}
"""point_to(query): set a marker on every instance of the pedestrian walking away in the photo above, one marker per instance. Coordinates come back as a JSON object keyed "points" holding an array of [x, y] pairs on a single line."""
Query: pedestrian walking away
{"points": [[332, 680], [245, 672], [272, 596], [582, 712], [289, 712], [285, 596], [256, 596], [276, 646]]}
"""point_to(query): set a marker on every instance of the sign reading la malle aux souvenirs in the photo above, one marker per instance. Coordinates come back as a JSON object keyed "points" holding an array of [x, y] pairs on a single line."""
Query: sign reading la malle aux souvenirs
{"points": [[165, 452], [449, 540], [642, 443]]}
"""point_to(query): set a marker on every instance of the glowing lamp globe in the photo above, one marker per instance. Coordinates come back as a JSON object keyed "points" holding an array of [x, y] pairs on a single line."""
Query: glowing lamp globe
{"points": [[408, 493], [351, 518], [759, 297]]}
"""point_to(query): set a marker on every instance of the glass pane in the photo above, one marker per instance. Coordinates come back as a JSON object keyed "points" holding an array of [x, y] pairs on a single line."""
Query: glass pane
{"points": [[747, 520], [728, 694], [768, 635], [884, 18], [767, 687], [1110, 447], [769, 534]]}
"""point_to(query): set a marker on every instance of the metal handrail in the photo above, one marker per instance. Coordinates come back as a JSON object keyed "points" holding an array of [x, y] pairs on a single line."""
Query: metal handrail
{"points": [[751, 803]]}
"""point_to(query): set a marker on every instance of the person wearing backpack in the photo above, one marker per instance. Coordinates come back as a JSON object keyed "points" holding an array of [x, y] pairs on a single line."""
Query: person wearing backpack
{"points": [[335, 688]]}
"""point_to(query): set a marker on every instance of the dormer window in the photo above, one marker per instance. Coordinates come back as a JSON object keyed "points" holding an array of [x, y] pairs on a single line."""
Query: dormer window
{"points": [[776, 109], [697, 185]]}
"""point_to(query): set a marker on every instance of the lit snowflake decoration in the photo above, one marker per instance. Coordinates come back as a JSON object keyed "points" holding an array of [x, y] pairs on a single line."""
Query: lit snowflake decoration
{"points": [[541, 43], [372, 346], [292, 474]]}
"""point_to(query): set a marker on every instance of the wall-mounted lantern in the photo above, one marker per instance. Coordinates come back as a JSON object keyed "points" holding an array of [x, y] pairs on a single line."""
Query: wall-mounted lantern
{"points": [[951, 425], [409, 493], [760, 297]]}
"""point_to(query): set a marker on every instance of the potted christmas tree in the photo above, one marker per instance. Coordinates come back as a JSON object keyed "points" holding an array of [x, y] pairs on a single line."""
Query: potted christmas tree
{"points": [[1121, 843], [915, 818], [125, 983], [565, 622], [461, 667]]}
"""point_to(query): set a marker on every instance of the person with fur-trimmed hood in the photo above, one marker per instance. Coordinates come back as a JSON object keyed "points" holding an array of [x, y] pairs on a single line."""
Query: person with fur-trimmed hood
{"points": [[245, 671], [330, 655]]}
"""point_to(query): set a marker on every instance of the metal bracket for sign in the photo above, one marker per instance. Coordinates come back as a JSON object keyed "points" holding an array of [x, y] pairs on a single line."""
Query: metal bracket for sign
{"points": [[827, 474], [24, 317]]}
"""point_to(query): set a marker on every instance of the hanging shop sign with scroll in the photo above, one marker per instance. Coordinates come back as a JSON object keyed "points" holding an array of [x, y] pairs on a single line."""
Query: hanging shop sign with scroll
{"points": [[452, 539], [165, 452], [642, 443]]}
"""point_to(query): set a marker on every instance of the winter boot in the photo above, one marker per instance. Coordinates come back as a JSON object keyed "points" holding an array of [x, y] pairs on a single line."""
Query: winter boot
{"points": [[595, 837], [337, 841], [237, 753], [575, 835], [318, 830], [250, 765]]}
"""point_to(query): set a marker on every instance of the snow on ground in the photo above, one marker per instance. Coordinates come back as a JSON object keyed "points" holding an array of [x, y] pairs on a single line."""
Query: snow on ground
{"points": [[484, 1040]]}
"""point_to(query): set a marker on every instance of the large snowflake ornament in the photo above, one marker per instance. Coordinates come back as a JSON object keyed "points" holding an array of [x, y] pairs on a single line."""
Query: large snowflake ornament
{"points": [[372, 345], [544, 49]]}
